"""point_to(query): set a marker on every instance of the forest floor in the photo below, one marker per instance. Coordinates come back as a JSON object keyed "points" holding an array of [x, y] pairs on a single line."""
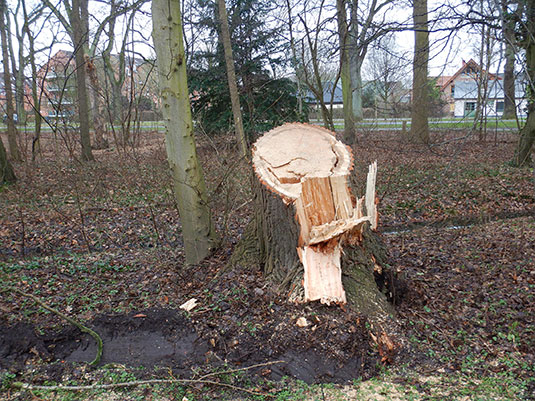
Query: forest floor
{"points": [[101, 242]]}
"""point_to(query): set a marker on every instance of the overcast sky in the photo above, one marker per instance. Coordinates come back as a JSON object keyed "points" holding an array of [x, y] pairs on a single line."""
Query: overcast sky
{"points": [[446, 55]]}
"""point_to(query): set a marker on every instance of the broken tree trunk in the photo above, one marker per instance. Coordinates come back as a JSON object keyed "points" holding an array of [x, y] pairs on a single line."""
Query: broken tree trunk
{"points": [[309, 233]]}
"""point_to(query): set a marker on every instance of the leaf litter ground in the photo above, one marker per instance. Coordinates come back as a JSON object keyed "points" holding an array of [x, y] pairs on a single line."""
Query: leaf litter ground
{"points": [[102, 242]]}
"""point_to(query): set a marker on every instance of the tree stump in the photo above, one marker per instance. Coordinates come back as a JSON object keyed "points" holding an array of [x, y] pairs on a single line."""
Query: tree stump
{"points": [[312, 237]]}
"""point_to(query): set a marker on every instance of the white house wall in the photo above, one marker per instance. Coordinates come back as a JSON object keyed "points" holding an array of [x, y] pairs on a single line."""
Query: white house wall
{"points": [[459, 108], [521, 105]]}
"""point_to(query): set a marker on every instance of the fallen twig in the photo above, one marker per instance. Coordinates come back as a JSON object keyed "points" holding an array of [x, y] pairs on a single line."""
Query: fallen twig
{"points": [[82, 328], [201, 380], [258, 365]]}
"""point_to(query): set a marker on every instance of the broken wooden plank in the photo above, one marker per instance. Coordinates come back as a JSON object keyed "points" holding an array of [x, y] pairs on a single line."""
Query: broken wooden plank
{"points": [[323, 275], [371, 207], [330, 230]]}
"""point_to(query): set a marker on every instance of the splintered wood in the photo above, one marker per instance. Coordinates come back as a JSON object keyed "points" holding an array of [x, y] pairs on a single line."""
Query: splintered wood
{"points": [[307, 167]]}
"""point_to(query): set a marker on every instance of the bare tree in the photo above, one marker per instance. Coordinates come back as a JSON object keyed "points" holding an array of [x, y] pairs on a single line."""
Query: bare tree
{"points": [[508, 34], [76, 24], [420, 86], [18, 68], [482, 79], [11, 129], [231, 78], [386, 72], [369, 20], [526, 34], [189, 187], [313, 54], [36, 97], [80, 32], [115, 67], [345, 72]]}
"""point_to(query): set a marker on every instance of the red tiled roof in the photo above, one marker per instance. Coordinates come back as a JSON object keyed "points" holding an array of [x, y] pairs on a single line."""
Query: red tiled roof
{"points": [[469, 63]]}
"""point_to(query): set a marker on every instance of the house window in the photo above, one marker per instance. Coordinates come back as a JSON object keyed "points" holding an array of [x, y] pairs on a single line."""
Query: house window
{"points": [[469, 109], [500, 106], [452, 90]]}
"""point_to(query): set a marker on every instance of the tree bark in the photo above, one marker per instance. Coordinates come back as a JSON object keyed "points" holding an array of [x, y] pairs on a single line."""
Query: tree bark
{"points": [[189, 186], [11, 129], [294, 226], [359, 47], [7, 175], [509, 109], [231, 78], [35, 96], [80, 37], [522, 155], [17, 72], [420, 87], [101, 142], [345, 72]]}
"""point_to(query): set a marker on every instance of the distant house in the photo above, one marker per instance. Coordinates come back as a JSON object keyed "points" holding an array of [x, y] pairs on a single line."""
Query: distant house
{"points": [[460, 92], [465, 99], [331, 94], [57, 82], [388, 99]]}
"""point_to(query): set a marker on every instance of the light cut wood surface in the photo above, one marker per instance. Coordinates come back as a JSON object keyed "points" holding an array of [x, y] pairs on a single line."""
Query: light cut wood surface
{"points": [[288, 154]]}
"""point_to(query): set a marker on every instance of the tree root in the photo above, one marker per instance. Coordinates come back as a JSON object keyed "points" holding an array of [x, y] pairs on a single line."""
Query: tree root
{"points": [[82, 328]]}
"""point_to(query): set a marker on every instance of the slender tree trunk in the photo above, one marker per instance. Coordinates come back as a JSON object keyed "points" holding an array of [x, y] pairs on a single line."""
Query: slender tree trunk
{"points": [[522, 155], [17, 72], [189, 186], [482, 82], [116, 73], [527, 138], [345, 72], [315, 83], [80, 41], [35, 96], [509, 109], [356, 58], [420, 87], [485, 91], [7, 175], [101, 142], [295, 62], [527, 134], [356, 86], [19, 85], [231, 78], [11, 129]]}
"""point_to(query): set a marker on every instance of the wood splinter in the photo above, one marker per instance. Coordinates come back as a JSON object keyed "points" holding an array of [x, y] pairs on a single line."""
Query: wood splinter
{"points": [[308, 167]]}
